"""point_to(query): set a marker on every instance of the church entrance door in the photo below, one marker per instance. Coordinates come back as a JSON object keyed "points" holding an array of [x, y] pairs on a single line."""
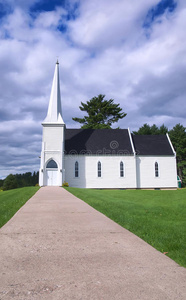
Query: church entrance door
{"points": [[52, 173], [52, 178]]}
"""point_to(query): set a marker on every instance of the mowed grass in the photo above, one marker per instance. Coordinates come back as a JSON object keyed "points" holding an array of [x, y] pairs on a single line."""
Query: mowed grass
{"points": [[158, 217], [12, 200]]}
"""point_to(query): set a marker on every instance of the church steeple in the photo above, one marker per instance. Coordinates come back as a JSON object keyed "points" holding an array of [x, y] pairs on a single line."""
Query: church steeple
{"points": [[54, 114], [53, 142]]}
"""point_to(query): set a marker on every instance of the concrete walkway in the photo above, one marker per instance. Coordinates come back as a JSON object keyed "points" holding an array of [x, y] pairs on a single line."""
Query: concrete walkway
{"points": [[58, 247]]}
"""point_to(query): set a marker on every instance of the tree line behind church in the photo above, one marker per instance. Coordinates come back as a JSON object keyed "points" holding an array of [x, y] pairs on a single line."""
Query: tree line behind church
{"points": [[19, 180]]}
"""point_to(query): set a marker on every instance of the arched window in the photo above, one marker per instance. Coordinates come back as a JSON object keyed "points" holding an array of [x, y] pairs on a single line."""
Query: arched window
{"points": [[121, 169], [156, 169], [76, 169], [51, 164], [99, 169]]}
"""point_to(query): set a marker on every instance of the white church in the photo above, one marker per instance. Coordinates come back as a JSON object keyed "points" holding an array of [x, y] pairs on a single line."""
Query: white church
{"points": [[102, 158]]}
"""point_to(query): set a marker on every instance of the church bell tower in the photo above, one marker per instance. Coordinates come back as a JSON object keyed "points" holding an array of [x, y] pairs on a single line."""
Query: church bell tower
{"points": [[51, 171]]}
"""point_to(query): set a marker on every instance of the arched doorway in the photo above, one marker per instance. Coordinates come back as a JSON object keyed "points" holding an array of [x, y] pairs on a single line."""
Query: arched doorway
{"points": [[52, 173]]}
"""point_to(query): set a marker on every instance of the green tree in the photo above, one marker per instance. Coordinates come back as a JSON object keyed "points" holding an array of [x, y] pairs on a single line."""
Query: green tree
{"points": [[101, 113], [20, 180], [10, 183], [1, 182], [163, 129], [144, 130], [148, 130], [178, 139]]}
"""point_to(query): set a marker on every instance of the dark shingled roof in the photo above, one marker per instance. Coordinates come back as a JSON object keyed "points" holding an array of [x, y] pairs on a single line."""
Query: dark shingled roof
{"points": [[114, 141], [152, 145], [97, 141]]}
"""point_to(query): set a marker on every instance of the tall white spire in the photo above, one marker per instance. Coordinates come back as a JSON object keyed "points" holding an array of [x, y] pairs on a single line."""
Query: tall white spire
{"points": [[54, 114]]}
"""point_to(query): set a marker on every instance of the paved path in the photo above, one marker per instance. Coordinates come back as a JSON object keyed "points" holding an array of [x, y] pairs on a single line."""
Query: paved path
{"points": [[58, 247]]}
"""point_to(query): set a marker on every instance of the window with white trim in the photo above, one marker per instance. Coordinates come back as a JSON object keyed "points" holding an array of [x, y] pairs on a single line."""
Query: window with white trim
{"points": [[76, 169], [156, 169], [99, 169], [121, 169]]}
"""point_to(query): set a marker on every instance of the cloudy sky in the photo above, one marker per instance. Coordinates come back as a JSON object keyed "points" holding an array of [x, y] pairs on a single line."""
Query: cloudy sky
{"points": [[132, 51]]}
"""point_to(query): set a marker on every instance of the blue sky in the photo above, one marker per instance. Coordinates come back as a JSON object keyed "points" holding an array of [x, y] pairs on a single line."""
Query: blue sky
{"points": [[159, 9], [47, 5], [131, 51]]}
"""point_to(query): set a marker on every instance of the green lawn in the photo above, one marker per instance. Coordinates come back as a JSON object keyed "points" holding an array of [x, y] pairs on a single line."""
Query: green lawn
{"points": [[12, 200], [158, 217]]}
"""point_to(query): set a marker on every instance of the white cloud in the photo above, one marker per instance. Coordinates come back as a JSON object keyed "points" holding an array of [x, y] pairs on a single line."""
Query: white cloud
{"points": [[50, 18], [105, 23]]}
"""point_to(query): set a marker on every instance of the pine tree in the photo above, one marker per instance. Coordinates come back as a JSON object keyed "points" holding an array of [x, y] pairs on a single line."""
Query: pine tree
{"points": [[101, 113]]}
